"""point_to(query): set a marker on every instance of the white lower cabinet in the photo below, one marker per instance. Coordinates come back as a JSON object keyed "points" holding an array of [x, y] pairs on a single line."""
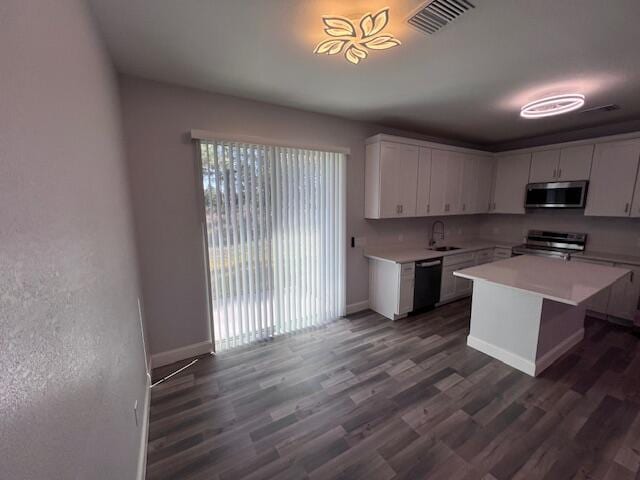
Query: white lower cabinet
{"points": [[599, 302], [484, 256], [407, 284], [453, 287], [391, 288], [500, 253], [621, 299]]}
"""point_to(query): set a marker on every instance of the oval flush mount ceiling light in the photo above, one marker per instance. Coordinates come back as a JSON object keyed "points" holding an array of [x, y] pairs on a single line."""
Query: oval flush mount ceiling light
{"points": [[556, 105], [356, 42]]}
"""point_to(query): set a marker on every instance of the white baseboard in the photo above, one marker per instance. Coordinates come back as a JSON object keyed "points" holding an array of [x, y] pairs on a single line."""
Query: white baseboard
{"points": [[357, 307], [144, 434], [511, 359], [521, 363], [552, 355], [182, 353]]}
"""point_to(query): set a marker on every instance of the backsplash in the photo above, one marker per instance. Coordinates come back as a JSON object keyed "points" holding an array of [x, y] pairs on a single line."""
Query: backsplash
{"points": [[417, 231], [607, 234]]}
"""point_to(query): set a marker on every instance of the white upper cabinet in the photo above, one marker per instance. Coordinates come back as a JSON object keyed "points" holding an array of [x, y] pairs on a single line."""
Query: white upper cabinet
{"points": [[544, 166], [485, 184], [423, 207], [571, 163], [391, 176], [470, 185], [453, 183], [635, 205], [512, 176], [477, 178], [446, 182], [575, 163], [613, 177]]}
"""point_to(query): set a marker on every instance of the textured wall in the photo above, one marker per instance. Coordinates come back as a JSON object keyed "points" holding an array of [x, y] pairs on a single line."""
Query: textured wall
{"points": [[157, 118], [70, 344]]}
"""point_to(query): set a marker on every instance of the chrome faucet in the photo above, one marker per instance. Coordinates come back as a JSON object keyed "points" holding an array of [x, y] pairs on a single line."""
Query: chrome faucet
{"points": [[432, 241]]}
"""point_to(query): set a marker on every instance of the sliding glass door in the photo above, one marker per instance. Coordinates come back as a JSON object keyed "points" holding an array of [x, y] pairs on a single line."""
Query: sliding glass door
{"points": [[275, 220]]}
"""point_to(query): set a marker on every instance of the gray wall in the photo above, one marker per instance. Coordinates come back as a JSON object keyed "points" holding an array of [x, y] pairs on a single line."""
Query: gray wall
{"points": [[70, 343], [157, 118]]}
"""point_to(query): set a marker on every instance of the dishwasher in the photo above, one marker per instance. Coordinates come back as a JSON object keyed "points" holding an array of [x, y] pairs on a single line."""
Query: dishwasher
{"points": [[428, 275]]}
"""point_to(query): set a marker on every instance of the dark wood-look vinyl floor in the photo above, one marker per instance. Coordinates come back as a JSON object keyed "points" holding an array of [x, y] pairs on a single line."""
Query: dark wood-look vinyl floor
{"points": [[367, 398]]}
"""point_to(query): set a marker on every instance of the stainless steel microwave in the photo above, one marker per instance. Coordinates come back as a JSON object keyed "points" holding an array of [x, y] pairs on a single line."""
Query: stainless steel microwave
{"points": [[556, 195]]}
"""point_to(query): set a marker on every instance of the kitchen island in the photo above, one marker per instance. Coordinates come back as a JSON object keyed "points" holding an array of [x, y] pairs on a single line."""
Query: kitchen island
{"points": [[527, 311]]}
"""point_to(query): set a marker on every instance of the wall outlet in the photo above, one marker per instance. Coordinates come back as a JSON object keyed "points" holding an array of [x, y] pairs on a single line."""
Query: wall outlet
{"points": [[135, 412]]}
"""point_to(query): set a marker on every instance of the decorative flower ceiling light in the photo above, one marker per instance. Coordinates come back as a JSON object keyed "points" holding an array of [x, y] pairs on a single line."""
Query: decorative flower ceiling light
{"points": [[556, 105], [356, 44]]}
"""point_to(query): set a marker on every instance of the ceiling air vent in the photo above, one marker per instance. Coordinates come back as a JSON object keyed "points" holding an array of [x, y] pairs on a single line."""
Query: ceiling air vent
{"points": [[602, 108], [438, 13]]}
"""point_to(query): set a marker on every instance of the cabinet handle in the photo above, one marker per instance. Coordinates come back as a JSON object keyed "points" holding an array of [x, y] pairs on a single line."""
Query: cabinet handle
{"points": [[626, 207], [554, 173], [428, 208], [446, 207]]}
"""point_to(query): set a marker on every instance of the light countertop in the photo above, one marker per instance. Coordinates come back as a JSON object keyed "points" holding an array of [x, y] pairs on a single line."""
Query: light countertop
{"points": [[413, 253], [571, 283], [608, 257]]}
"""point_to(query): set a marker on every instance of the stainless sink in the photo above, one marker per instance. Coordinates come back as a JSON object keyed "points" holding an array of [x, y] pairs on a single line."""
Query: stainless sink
{"points": [[444, 249]]}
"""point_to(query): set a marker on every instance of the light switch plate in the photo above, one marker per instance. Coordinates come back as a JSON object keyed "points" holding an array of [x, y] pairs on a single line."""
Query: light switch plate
{"points": [[360, 242]]}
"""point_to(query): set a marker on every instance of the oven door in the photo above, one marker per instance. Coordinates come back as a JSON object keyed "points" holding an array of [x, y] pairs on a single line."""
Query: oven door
{"points": [[557, 195]]}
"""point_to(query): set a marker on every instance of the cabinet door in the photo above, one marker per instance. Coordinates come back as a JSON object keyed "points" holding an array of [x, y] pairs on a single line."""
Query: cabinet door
{"points": [[484, 184], [470, 184], [623, 300], [453, 183], [398, 179], [424, 182], [512, 176], [463, 286], [575, 163], [448, 284], [405, 299], [600, 301], [613, 177], [544, 166], [437, 193], [635, 204]]}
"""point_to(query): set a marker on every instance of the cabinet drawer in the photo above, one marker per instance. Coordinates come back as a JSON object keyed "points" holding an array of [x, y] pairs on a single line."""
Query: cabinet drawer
{"points": [[484, 256], [501, 252], [458, 258]]}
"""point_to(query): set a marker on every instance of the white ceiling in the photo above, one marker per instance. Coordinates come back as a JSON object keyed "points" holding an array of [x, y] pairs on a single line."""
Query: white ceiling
{"points": [[466, 82]]}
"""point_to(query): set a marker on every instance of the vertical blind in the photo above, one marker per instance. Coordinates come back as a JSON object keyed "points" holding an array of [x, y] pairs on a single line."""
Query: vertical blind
{"points": [[275, 221]]}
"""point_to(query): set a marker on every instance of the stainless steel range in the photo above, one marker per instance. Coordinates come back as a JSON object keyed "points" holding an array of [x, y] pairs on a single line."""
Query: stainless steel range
{"points": [[552, 244]]}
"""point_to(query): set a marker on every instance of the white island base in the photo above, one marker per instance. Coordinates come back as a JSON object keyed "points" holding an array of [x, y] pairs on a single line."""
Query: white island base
{"points": [[527, 311], [522, 329]]}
